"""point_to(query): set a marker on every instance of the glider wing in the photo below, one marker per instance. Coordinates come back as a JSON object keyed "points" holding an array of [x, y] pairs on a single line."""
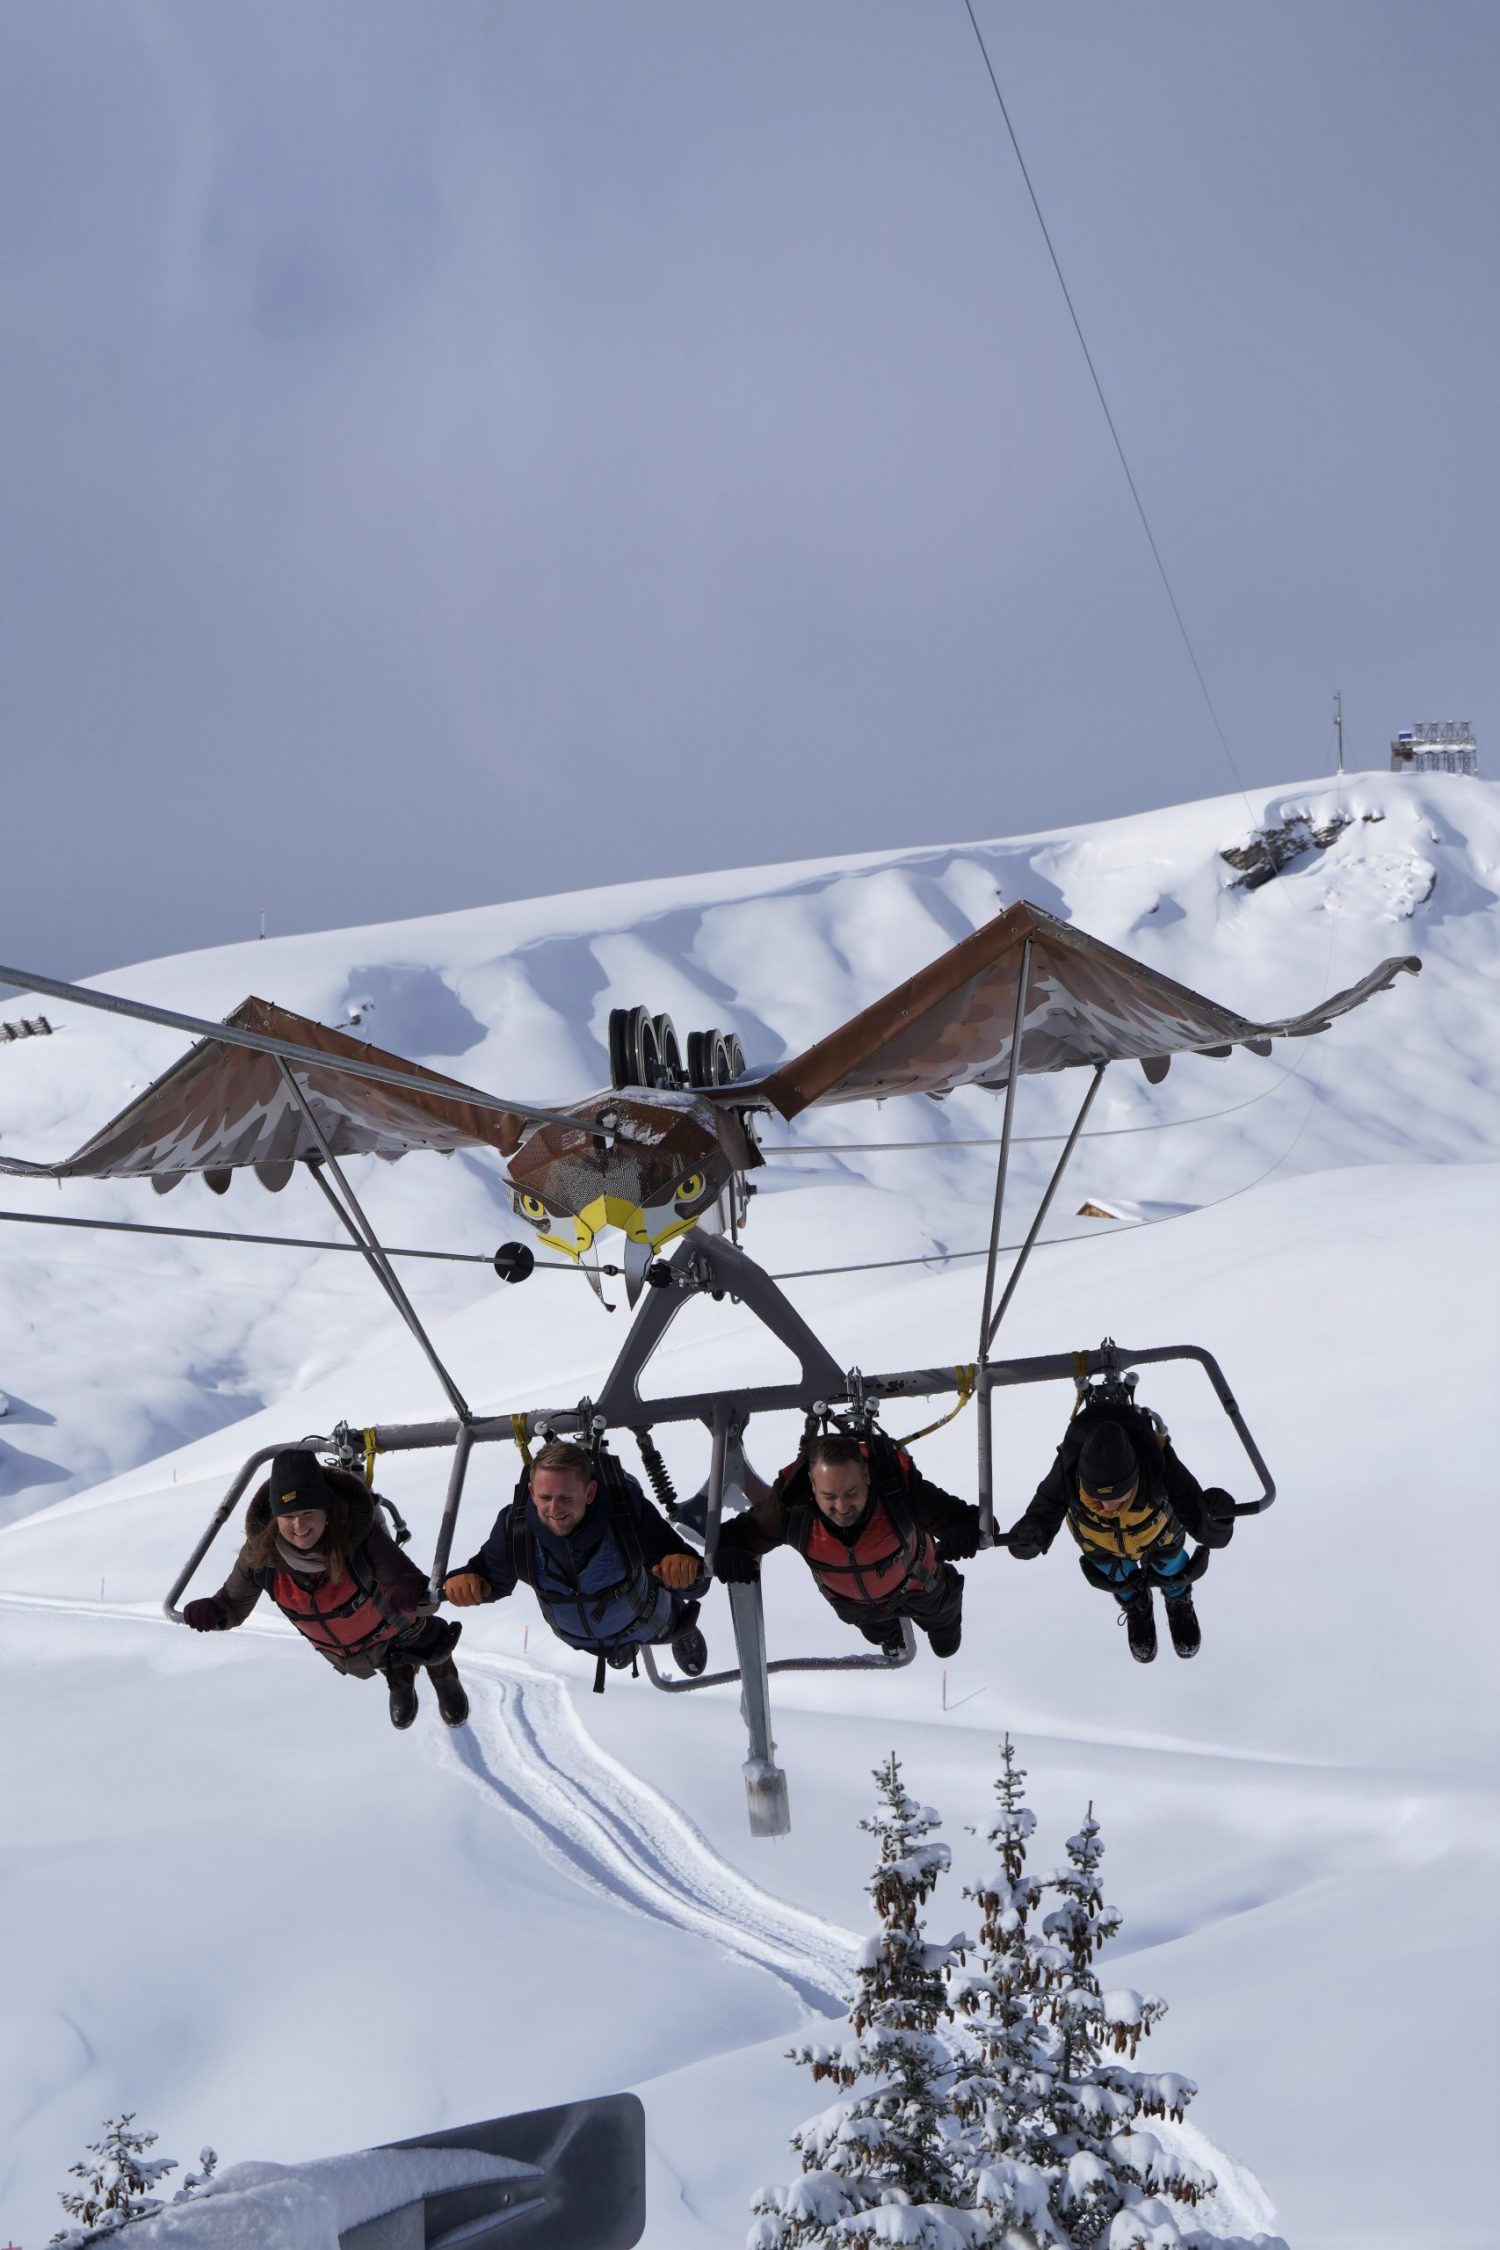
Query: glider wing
{"points": [[951, 1024], [225, 1106]]}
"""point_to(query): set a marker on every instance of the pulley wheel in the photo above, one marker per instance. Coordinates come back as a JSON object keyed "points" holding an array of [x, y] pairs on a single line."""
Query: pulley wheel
{"points": [[668, 1053], [643, 1049], [625, 1041], [715, 1058]]}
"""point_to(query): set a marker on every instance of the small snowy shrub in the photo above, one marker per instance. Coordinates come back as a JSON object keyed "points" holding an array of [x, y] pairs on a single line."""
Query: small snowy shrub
{"points": [[118, 2177], [209, 2159]]}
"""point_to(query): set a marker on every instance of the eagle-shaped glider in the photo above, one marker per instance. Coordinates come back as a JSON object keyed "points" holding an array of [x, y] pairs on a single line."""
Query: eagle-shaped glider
{"points": [[653, 1160]]}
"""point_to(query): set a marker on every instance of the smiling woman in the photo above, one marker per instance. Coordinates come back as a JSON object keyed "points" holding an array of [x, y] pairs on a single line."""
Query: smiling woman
{"points": [[315, 1544]]}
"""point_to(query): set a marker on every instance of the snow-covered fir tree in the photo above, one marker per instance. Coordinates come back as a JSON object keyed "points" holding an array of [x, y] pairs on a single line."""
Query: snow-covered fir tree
{"points": [[880, 2165], [118, 2176], [990, 2105], [1113, 2180], [1004, 2085]]}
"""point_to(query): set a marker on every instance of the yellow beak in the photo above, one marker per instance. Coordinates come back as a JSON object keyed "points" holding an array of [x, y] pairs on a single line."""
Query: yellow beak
{"points": [[616, 1211]]}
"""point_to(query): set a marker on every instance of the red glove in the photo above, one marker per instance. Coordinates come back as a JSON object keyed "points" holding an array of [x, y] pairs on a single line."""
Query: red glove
{"points": [[206, 1616]]}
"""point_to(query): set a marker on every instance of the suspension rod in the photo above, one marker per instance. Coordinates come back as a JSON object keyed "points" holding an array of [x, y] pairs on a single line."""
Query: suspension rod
{"points": [[1046, 1204], [1018, 1031], [359, 1226]]}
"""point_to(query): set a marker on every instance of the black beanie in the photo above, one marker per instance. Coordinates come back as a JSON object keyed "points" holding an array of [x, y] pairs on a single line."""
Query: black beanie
{"points": [[1107, 1465], [297, 1481]]}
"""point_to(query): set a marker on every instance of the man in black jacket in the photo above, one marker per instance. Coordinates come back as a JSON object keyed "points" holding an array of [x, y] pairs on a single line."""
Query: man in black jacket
{"points": [[878, 1538], [1132, 1507]]}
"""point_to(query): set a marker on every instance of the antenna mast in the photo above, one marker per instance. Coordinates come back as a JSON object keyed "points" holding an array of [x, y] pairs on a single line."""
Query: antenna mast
{"points": [[1338, 725]]}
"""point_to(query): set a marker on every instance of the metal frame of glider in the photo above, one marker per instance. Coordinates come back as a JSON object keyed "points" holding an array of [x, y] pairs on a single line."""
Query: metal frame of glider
{"points": [[702, 1263]]}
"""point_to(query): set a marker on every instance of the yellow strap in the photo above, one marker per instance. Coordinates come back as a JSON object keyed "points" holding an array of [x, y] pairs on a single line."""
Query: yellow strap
{"points": [[519, 1432], [371, 1449], [1080, 1376], [966, 1380]]}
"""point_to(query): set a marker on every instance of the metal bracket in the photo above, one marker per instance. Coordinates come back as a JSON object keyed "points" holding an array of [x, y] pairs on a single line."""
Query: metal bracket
{"points": [[720, 1267], [1113, 1358]]}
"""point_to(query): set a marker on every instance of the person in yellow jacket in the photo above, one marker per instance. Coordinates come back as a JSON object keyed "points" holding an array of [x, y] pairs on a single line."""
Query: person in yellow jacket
{"points": [[1132, 1506]]}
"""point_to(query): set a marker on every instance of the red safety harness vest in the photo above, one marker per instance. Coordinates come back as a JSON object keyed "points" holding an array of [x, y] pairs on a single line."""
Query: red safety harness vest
{"points": [[893, 1554], [346, 1619]]}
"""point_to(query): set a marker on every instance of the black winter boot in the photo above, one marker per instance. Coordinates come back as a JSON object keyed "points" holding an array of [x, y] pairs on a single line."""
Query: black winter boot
{"points": [[401, 1679], [690, 1652], [1182, 1623], [945, 1639], [452, 1701], [1140, 1625]]}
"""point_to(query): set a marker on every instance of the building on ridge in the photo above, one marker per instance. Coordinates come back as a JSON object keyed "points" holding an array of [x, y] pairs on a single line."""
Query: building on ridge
{"points": [[1439, 746]]}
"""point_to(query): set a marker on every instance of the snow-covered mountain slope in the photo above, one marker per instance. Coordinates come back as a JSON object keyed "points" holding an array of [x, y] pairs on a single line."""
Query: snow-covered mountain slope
{"points": [[217, 1842]]}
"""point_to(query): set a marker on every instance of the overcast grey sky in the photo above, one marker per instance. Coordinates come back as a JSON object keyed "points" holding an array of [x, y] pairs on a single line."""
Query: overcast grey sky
{"points": [[457, 451]]}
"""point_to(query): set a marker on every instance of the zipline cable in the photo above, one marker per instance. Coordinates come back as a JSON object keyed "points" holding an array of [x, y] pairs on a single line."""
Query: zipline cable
{"points": [[1140, 508], [1018, 1140], [270, 1241], [1057, 1241]]}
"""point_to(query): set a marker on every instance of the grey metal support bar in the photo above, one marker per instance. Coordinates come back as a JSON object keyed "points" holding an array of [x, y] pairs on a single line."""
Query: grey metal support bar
{"points": [[458, 1470], [984, 1473], [359, 1226], [984, 1430], [1045, 1205], [1050, 1367], [263, 1043], [713, 1515], [765, 1783]]}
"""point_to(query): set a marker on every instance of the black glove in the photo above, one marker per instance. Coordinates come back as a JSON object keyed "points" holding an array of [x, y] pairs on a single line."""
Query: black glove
{"points": [[735, 1567], [205, 1616], [960, 1541], [1218, 1517], [1024, 1545]]}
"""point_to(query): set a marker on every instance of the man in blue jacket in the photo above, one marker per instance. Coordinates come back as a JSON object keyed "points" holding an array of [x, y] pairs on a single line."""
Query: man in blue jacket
{"points": [[608, 1571]]}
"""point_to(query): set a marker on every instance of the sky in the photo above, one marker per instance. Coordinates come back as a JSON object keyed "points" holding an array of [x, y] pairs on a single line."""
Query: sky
{"points": [[455, 454]]}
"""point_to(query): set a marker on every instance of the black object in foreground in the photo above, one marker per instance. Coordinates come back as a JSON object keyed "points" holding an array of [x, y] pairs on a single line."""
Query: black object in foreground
{"points": [[584, 2187]]}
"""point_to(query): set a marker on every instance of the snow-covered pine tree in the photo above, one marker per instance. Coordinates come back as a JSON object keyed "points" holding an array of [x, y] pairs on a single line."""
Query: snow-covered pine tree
{"points": [[1114, 2181], [118, 2176], [1004, 2081], [879, 2167]]}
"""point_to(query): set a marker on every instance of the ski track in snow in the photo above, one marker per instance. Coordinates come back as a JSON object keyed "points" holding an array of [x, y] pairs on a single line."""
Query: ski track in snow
{"points": [[526, 1749]]}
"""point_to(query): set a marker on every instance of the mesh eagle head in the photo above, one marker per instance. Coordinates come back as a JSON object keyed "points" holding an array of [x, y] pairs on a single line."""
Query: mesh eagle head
{"points": [[650, 1164]]}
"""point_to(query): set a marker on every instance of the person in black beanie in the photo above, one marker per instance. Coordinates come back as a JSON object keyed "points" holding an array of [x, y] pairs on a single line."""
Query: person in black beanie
{"points": [[315, 1544], [1132, 1507]]}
